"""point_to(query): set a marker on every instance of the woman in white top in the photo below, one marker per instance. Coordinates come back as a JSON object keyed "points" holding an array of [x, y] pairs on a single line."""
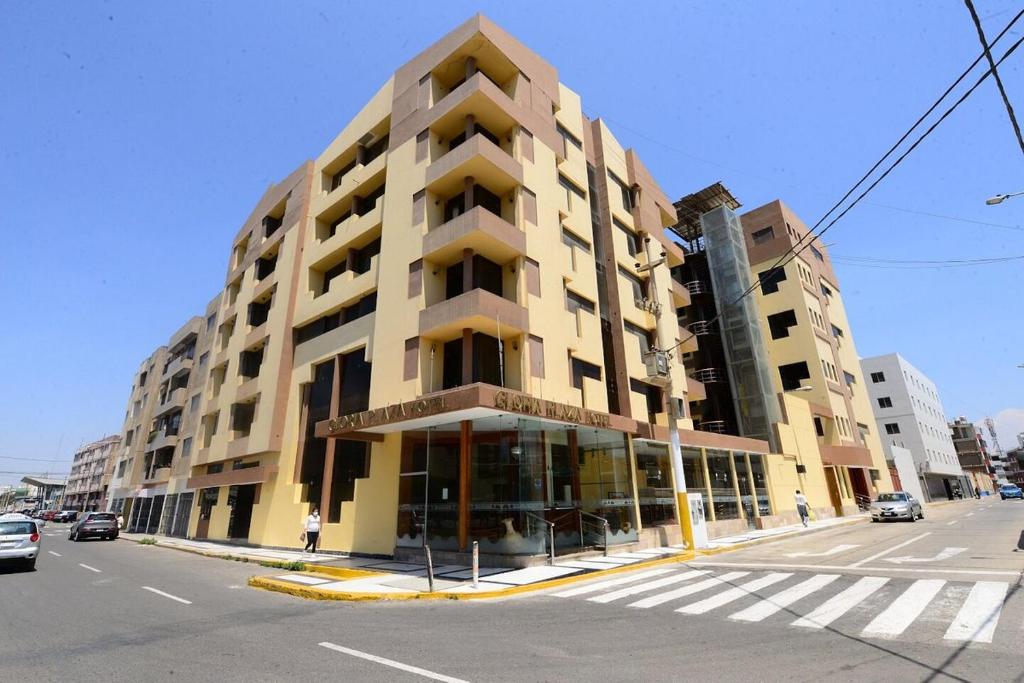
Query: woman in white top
{"points": [[801, 506], [312, 529]]}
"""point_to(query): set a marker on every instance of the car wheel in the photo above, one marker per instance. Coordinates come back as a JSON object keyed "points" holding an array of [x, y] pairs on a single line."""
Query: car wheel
{"points": [[920, 515], [913, 517]]}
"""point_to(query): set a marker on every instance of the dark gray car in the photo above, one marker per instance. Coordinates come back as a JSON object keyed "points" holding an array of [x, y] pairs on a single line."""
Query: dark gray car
{"points": [[94, 525]]}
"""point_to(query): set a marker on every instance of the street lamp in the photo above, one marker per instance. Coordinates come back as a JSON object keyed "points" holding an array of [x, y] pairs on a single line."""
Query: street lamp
{"points": [[1000, 198]]}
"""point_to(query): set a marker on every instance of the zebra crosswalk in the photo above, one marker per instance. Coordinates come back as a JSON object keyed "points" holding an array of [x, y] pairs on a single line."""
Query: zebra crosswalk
{"points": [[955, 612]]}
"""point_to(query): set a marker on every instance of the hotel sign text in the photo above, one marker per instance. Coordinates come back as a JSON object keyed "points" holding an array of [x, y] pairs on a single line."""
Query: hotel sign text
{"points": [[521, 403], [386, 415]]}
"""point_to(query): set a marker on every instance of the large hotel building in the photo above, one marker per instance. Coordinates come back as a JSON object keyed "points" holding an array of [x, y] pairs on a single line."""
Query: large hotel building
{"points": [[436, 333]]}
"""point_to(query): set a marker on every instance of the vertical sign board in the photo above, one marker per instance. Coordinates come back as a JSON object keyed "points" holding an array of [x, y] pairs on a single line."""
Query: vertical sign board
{"points": [[697, 521]]}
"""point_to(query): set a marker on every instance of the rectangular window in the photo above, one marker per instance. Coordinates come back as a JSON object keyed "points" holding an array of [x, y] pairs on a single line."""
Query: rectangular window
{"points": [[211, 320], [186, 447], [567, 136], [825, 290], [571, 239], [638, 285], [819, 428], [836, 332], [770, 280], [645, 337], [779, 323], [193, 405], [581, 369], [817, 254], [763, 235], [892, 428], [258, 313], [571, 186], [242, 415], [627, 196], [792, 374], [877, 377], [634, 245], [850, 379], [574, 302], [885, 402]]}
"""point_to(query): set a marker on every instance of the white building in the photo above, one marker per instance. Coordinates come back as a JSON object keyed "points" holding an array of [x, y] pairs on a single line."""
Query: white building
{"points": [[909, 415]]}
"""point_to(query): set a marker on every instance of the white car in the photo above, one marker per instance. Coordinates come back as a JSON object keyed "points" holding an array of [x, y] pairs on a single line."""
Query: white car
{"points": [[19, 540], [896, 505]]}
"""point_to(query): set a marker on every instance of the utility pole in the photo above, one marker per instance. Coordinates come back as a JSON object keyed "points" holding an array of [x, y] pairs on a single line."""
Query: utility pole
{"points": [[658, 365]]}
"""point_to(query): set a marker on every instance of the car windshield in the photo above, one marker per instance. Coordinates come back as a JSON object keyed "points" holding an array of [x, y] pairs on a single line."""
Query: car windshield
{"points": [[16, 528], [102, 517], [892, 498]]}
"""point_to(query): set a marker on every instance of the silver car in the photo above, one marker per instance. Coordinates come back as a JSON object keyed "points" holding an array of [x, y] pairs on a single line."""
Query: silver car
{"points": [[896, 505], [19, 540]]}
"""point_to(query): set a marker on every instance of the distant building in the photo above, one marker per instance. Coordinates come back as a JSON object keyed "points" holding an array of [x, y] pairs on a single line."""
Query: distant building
{"points": [[44, 492], [909, 414], [972, 452], [1015, 462], [85, 489]]}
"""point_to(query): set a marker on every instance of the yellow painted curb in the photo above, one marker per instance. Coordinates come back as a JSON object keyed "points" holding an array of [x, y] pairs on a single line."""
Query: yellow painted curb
{"points": [[313, 593], [339, 572]]}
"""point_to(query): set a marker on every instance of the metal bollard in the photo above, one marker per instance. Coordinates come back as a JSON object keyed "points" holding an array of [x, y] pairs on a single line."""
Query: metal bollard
{"points": [[476, 564]]}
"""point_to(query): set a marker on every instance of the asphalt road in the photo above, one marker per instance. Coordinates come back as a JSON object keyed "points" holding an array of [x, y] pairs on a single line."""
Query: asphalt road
{"points": [[126, 620]]}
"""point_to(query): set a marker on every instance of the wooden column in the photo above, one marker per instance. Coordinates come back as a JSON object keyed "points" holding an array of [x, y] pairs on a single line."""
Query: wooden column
{"points": [[753, 487], [710, 507], [465, 448], [467, 356], [736, 486], [325, 493]]}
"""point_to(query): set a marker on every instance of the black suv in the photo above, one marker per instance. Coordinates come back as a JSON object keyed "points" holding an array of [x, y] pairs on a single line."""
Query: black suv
{"points": [[95, 524]]}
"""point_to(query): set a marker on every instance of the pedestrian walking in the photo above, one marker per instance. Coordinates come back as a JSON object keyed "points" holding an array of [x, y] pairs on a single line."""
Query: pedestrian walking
{"points": [[801, 506], [311, 530]]}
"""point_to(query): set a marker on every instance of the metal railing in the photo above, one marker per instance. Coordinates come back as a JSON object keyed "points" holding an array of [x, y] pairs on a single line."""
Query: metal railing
{"points": [[696, 286], [863, 502], [708, 375], [700, 327], [715, 426], [587, 518], [550, 533]]}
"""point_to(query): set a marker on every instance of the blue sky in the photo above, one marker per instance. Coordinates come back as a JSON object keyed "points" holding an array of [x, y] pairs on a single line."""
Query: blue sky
{"points": [[136, 137]]}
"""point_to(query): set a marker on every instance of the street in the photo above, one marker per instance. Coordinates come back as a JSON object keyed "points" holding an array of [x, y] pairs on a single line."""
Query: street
{"points": [[939, 599]]}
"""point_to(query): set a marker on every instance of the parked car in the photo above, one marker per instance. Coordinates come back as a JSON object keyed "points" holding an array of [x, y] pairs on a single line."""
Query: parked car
{"points": [[48, 515], [66, 516], [96, 525], [19, 540], [1010, 491], [896, 505]]}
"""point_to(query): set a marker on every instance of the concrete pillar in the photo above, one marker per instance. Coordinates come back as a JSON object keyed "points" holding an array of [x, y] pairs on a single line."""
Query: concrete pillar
{"points": [[710, 507], [468, 196], [470, 67], [470, 126], [736, 487], [753, 488], [465, 445]]}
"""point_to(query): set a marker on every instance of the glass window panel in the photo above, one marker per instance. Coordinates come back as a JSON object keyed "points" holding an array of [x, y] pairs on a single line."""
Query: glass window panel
{"points": [[654, 483], [722, 490]]}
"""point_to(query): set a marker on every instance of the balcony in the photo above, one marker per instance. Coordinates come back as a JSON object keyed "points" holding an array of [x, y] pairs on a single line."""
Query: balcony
{"points": [[688, 341], [479, 310], [344, 290], [158, 476], [479, 158], [352, 229], [850, 456], [163, 439], [173, 400], [680, 295], [178, 366], [701, 327], [697, 287], [695, 390], [360, 180], [478, 229]]}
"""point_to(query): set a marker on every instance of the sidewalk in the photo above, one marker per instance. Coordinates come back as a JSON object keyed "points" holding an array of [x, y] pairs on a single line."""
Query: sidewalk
{"points": [[755, 535], [403, 580], [228, 551]]}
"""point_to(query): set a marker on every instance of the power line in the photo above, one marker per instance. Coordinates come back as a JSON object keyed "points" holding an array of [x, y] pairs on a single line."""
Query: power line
{"points": [[11, 457], [897, 264], [793, 252], [995, 73]]}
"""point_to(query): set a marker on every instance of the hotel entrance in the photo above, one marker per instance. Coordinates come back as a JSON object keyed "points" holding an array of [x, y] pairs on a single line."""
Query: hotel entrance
{"points": [[511, 483]]}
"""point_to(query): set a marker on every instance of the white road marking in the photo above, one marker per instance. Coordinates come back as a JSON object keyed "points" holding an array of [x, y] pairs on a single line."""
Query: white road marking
{"points": [[392, 663], [92, 569], [951, 523], [733, 594], [601, 585], [943, 554], [836, 567], [902, 612], [979, 615], [648, 586], [167, 595], [834, 551], [54, 554], [770, 606], [969, 514], [886, 552], [660, 598], [840, 604]]}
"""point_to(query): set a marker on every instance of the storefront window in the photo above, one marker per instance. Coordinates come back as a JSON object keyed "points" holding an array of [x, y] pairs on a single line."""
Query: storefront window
{"points": [[746, 486], [654, 483], [605, 486], [722, 490], [430, 472], [760, 483]]}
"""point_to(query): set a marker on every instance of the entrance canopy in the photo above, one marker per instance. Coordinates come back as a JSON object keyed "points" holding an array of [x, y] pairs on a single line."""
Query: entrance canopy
{"points": [[470, 402]]}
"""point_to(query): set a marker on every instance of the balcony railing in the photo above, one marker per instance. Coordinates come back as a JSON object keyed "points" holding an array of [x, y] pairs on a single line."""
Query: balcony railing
{"points": [[696, 286], [708, 375]]}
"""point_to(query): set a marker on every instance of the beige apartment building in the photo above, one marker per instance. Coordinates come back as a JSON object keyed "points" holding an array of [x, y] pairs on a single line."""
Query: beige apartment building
{"points": [[84, 490], [812, 352], [436, 332]]}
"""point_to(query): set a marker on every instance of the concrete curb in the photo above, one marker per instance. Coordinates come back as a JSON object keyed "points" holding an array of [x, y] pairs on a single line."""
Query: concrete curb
{"points": [[313, 593], [271, 564]]}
